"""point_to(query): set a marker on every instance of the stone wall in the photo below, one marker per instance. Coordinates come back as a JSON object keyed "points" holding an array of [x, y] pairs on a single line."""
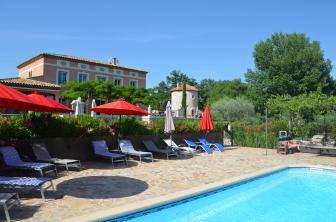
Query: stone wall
{"points": [[81, 148]]}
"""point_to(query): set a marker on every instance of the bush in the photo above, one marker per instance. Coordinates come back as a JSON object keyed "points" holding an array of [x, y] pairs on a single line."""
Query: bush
{"points": [[44, 125], [254, 135]]}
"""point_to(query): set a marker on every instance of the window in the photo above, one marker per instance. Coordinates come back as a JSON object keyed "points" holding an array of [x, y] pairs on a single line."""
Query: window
{"points": [[82, 77], [62, 77], [30, 73], [101, 78], [118, 81], [63, 101], [193, 96], [133, 74], [133, 83]]}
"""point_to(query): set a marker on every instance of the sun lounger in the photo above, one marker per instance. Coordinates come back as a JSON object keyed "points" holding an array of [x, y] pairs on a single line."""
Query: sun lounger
{"points": [[8, 200], [218, 146], [151, 146], [43, 155], [127, 148], [12, 159], [27, 183], [100, 149], [181, 148], [192, 144]]}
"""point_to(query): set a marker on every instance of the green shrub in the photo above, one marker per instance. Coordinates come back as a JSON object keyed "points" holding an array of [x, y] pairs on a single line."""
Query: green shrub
{"points": [[254, 135]]}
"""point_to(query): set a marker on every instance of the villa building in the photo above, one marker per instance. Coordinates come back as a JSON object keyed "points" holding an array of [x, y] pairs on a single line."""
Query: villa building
{"points": [[47, 73], [191, 100]]}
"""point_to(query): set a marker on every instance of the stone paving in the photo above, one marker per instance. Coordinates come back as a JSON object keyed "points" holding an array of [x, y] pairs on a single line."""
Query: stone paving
{"points": [[99, 186]]}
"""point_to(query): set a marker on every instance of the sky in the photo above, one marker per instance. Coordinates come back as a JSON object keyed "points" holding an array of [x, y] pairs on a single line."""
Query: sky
{"points": [[204, 39]]}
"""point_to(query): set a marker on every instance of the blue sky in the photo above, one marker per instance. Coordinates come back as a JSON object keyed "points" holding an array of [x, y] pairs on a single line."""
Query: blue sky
{"points": [[205, 39]]}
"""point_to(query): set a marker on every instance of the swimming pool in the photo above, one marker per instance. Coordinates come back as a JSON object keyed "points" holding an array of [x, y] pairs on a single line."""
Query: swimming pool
{"points": [[291, 194]]}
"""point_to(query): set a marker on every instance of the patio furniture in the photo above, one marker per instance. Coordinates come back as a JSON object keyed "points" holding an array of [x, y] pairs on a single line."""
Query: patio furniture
{"points": [[127, 148], [8, 200], [181, 148], [151, 146], [321, 150], [286, 147], [218, 146], [43, 155], [27, 183], [100, 149], [192, 144], [12, 159]]}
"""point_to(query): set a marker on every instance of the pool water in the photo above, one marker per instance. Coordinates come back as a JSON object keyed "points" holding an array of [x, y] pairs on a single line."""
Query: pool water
{"points": [[293, 194]]}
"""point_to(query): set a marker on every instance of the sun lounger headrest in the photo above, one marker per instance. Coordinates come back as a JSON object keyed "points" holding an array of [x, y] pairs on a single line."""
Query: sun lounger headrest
{"points": [[10, 155]]}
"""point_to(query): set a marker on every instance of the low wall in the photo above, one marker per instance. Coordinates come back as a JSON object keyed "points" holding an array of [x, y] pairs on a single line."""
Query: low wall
{"points": [[81, 148]]}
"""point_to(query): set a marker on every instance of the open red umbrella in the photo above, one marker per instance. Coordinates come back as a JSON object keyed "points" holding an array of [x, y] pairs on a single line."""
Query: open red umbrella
{"points": [[120, 107], [12, 99], [49, 104], [206, 123]]}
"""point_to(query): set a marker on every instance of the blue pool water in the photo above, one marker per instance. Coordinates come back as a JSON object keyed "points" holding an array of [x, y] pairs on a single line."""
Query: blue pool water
{"points": [[293, 194]]}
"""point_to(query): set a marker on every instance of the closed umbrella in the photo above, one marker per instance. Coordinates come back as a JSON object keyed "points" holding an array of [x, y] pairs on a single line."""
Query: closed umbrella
{"points": [[169, 123], [206, 122], [12, 99], [93, 105], [49, 104]]}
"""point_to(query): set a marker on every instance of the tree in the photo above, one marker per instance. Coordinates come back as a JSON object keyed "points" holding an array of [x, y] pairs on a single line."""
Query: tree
{"points": [[184, 99], [176, 77], [106, 90], [204, 87], [301, 109], [228, 88], [229, 109], [288, 64], [84, 90], [160, 95]]}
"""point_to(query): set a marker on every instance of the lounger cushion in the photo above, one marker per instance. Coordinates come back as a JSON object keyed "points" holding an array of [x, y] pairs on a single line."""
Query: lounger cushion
{"points": [[217, 145], [12, 158], [100, 149], [127, 148], [193, 144], [23, 181]]}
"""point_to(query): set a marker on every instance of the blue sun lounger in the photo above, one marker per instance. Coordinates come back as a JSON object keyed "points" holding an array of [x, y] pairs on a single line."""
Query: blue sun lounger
{"points": [[12, 159], [192, 144], [100, 149], [27, 183], [218, 146]]}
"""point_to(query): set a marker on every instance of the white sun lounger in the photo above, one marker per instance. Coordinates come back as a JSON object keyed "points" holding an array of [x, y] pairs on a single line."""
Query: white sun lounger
{"points": [[181, 148], [127, 148]]}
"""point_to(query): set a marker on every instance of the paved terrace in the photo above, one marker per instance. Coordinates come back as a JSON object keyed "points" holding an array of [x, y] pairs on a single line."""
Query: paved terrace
{"points": [[99, 186]]}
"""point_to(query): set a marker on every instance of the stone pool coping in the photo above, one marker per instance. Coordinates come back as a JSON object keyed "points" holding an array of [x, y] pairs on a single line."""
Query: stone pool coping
{"points": [[166, 199]]}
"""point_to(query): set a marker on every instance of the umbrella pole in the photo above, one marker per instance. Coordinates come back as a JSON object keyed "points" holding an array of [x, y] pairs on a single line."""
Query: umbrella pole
{"points": [[119, 130], [171, 139]]}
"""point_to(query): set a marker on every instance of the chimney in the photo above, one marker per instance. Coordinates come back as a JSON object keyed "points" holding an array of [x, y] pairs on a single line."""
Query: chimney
{"points": [[114, 61]]}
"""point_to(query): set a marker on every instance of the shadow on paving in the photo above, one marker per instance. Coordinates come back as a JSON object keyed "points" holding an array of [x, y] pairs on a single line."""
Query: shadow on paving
{"points": [[106, 165], [21, 212], [102, 187]]}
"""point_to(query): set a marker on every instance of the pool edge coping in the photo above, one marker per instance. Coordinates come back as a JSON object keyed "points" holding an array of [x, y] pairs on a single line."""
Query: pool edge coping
{"points": [[137, 206]]}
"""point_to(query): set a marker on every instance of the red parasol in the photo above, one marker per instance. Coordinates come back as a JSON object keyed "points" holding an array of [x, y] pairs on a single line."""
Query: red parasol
{"points": [[206, 123], [49, 104], [120, 107], [12, 99]]}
